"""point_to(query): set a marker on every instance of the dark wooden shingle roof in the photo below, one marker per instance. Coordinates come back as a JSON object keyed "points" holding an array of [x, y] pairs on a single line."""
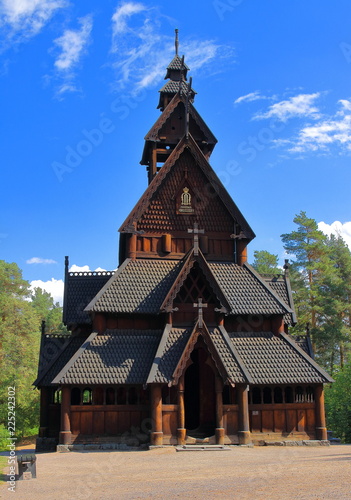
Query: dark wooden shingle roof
{"points": [[80, 289], [138, 286], [114, 357], [276, 359]]}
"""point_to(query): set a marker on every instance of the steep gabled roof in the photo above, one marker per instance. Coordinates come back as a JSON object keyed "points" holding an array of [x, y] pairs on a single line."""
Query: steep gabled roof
{"points": [[80, 289], [189, 262], [177, 64], [138, 286], [56, 356], [245, 290], [276, 359], [214, 182], [152, 135], [281, 285], [222, 353], [114, 357], [169, 351]]}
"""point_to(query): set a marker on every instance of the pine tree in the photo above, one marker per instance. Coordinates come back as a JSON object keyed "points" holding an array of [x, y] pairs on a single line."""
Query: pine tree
{"points": [[266, 263], [308, 246]]}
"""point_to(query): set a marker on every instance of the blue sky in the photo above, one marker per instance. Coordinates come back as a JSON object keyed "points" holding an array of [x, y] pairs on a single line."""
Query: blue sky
{"points": [[79, 90]]}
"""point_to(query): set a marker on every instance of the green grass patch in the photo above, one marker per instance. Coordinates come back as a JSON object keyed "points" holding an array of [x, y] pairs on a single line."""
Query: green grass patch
{"points": [[3, 465]]}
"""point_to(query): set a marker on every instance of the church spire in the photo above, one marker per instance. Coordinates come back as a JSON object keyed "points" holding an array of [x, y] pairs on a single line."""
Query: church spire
{"points": [[177, 75], [176, 42]]}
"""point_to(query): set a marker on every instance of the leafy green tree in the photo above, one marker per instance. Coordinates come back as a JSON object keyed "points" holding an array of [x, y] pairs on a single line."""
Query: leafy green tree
{"points": [[19, 346], [266, 263], [310, 264], [21, 313], [338, 405], [48, 311]]}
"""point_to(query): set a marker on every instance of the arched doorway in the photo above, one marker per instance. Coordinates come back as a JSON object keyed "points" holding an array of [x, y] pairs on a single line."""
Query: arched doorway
{"points": [[199, 396]]}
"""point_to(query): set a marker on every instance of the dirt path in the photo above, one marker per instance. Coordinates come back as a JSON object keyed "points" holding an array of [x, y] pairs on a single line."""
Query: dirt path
{"points": [[241, 473]]}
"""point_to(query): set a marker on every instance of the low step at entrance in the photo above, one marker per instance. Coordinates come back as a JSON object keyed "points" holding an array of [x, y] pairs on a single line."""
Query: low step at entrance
{"points": [[201, 447]]}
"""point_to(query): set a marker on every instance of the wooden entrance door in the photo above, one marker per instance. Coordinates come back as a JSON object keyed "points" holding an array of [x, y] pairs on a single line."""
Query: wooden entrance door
{"points": [[199, 396]]}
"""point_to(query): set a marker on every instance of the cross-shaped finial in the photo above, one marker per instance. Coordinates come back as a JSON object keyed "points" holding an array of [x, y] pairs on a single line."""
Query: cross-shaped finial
{"points": [[196, 231], [200, 305]]}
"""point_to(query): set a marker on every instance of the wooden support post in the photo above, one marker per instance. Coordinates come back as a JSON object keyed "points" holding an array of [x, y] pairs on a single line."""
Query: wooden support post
{"points": [[99, 322], [156, 413], [65, 433], [244, 424], [241, 251], [167, 243], [181, 431], [321, 429], [219, 411], [278, 325], [44, 411], [132, 246]]}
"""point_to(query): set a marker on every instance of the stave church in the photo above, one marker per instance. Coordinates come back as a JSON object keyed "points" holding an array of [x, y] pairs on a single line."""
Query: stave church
{"points": [[185, 343]]}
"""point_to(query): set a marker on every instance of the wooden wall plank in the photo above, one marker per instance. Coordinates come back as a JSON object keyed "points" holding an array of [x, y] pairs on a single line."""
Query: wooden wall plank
{"points": [[98, 422], [86, 422], [75, 422], [111, 422], [267, 420], [279, 421]]}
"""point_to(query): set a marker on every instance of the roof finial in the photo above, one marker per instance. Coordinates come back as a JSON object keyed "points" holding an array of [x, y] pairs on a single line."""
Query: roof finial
{"points": [[176, 41]]}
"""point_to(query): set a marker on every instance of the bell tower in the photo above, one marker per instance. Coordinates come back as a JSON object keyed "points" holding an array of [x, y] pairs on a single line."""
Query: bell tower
{"points": [[178, 118]]}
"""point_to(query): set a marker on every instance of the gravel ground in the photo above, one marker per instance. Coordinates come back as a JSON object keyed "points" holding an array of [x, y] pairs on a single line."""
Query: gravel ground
{"points": [[240, 473]]}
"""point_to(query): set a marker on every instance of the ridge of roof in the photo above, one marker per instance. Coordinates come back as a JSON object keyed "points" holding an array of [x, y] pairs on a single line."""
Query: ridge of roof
{"points": [[308, 358], [158, 355], [73, 359], [47, 367], [150, 136], [91, 304], [190, 144], [235, 353], [176, 63], [291, 299], [264, 283]]}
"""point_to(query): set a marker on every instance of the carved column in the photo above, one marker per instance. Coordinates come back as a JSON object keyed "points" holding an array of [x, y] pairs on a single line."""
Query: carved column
{"points": [[244, 424], [219, 411], [65, 433], [44, 410], [132, 246], [156, 413], [181, 431], [321, 429]]}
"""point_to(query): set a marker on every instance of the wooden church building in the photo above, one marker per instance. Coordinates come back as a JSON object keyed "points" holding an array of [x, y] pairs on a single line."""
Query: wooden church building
{"points": [[185, 342]]}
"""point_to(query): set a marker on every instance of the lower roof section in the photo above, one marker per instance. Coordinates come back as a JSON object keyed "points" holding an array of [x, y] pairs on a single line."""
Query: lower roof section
{"points": [[123, 356]]}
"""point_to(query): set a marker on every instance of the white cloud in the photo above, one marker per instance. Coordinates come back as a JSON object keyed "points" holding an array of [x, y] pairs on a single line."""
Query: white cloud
{"points": [[302, 105], [322, 135], [84, 269], [72, 44], [252, 96], [338, 229], [25, 18], [39, 260], [122, 13], [79, 269], [53, 286], [140, 52]]}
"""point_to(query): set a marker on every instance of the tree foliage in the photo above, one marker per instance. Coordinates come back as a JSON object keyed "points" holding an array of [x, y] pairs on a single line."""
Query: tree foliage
{"points": [[338, 405], [266, 263], [321, 283], [21, 313]]}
